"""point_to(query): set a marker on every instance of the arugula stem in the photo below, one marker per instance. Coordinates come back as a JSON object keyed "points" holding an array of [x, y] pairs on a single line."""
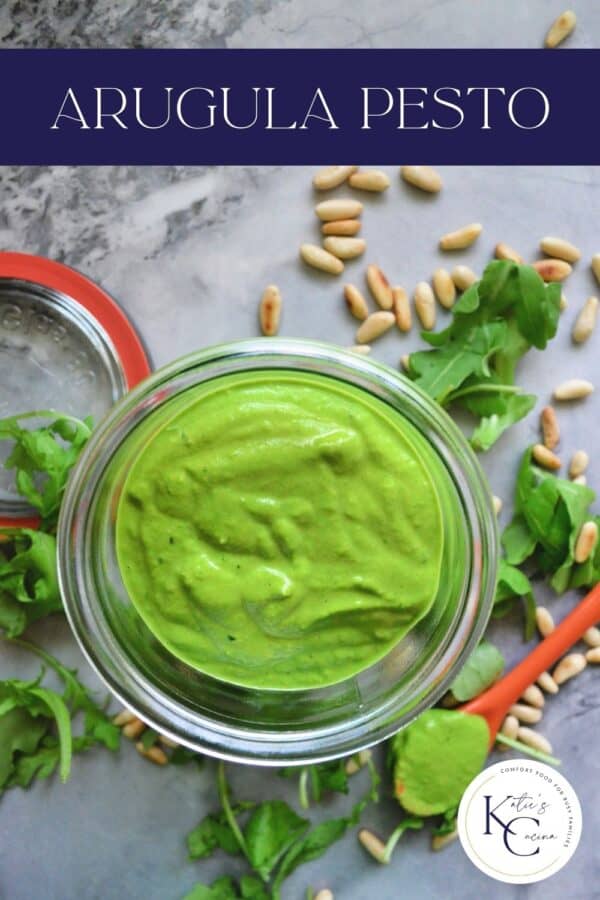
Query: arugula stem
{"points": [[391, 843], [223, 791], [485, 389], [528, 751], [303, 788]]}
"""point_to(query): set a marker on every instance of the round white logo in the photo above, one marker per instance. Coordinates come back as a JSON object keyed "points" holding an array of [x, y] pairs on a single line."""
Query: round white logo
{"points": [[519, 821]]}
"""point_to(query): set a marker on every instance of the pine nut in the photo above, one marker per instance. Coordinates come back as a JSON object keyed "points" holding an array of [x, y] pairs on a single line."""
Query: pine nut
{"points": [[402, 308], [370, 180], [325, 894], [345, 227], [352, 766], [586, 542], [550, 427], [596, 266], [579, 463], [545, 457], [425, 305], [357, 761], [547, 683], [372, 844], [544, 621], [374, 326], [533, 696], [405, 361], [439, 841], [510, 726], [167, 742], [423, 177], [321, 259], [463, 237], [270, 310], [361, 349], [560, 249], [529, 715], [563, 303], [533, 739], [356, 302], [345, 247], [569, 666], [497, 503], [592, 637], [585, 321], [379, 287], [580, 479], [332, 177], [552, 269], [154, 754], [593, 655], [444, 287], [364, 756], [574, 389], [561, 28], [505, 251], [133, 729], [123, 718], [463, 277], [332, 210]]}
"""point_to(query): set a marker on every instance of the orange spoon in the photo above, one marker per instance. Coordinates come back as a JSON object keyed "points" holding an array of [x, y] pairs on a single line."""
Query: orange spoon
{"points": [[494, 703]]}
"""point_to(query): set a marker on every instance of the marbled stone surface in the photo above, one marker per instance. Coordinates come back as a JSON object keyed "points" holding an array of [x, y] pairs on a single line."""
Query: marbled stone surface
{"points": [[187, 252]]}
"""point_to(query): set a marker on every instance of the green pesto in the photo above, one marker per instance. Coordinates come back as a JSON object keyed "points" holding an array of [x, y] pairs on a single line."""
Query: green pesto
{"points": [[280, 530]]}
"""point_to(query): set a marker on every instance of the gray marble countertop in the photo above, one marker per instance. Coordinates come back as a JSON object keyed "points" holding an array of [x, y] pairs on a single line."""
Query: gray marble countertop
{"points": [[187, 253]]}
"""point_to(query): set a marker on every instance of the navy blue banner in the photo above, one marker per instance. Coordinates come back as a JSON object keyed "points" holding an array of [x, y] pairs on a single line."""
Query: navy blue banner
{"points": [[298, 106]]}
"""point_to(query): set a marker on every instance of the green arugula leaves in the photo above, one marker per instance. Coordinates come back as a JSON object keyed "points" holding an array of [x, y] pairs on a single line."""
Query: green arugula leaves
{"points": [[28, 579], [482, 668], [473, 361]]}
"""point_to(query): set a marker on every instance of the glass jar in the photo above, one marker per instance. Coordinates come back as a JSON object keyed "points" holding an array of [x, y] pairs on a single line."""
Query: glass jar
{"points": [[273, 727]]}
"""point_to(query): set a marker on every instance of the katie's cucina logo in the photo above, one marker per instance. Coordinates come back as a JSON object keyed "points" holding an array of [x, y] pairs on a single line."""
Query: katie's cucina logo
{"points": [[519, 821]]}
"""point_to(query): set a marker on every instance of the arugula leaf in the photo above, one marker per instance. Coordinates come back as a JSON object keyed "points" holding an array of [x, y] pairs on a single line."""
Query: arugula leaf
{"points": [[28, 578], [323, 777], [512, 584], [473, 361], [214, 832], [272, 828], [43, 457], [225, 889], [482, 668]]}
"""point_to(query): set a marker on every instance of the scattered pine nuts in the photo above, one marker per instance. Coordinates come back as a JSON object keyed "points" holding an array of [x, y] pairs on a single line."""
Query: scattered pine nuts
{"points": [[332, 210], [569, 666], [425, 305], [270, 310], [439, 841], [405, 361], [545, 457], [370, 180], [423, 177], [533, 696], [324, 894], [547, 683], [510, 726], [133, 729], [574, 389], [345, 227], [505, 251], [550, 427], [332, 176], [356, 762], [593, 655], [585, 321], [533, 739], [355, 302], [124, 718], [444, 287], [167, 742], [374, 326], [560, 29], [497, 502], [579, 463], [552, 269], [563, 303], [379, 287], [372, 844], [529, 715], [560, 249], [361, 349], [402, 308], [345, 247], [463, 237], [592, 637], [463, 277], [596, 266], [321, 259], [580, 479], [154, 754], [544, 621], [586, 542]]}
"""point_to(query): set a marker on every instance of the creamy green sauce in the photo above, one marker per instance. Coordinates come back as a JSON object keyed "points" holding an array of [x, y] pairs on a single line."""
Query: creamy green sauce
{"points": [[280, 530]]}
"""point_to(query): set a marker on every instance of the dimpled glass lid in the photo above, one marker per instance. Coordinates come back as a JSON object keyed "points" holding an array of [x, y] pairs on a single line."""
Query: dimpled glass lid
{"points": [[54, 355]]}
